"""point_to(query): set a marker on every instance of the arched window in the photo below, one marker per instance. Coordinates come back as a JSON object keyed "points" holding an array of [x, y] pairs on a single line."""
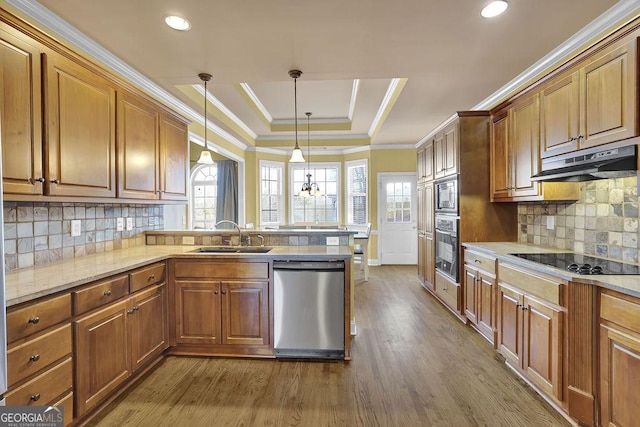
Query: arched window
{"points": [[204, 188]]}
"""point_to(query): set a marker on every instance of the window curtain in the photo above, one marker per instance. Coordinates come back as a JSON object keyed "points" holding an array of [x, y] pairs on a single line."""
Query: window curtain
{"points": [[227, 197]]}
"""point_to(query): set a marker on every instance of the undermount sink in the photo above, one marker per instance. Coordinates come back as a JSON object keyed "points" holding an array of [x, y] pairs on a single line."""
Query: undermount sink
{"points": [[233, 249]]}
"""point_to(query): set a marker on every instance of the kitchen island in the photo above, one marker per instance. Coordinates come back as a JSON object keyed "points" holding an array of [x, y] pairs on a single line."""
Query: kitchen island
{"points": [[82, 330]]}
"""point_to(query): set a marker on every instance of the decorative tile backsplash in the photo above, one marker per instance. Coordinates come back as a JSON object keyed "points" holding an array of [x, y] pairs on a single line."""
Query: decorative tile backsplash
{"points": [[604, 222], [39, 233]]}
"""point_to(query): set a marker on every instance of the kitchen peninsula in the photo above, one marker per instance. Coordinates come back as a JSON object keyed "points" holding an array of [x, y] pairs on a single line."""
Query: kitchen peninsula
{"points": [[125, 312]]}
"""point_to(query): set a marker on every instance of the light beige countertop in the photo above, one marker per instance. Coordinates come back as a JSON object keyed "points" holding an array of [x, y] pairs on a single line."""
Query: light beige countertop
{"points": [[31, 283], [627, 284]]}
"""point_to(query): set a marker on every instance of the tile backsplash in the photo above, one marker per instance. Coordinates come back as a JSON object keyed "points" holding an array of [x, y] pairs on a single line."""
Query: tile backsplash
{"points": [[39, 233], [603, 222]]}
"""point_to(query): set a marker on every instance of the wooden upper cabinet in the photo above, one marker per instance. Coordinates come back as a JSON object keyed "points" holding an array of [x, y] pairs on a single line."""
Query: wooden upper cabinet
{"points": [[500, 159], [174, 152], [593, 105], [609, 96], [137, 148], [425, 162], [445, 151], [524, 145], [559, 115], [20, 114], [80, 110]]}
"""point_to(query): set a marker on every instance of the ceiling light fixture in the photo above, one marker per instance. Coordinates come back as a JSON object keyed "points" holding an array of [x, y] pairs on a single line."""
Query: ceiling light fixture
{"points": [[494, 8], [205, 155], [177, 22], [309, 188], [296, 155]]}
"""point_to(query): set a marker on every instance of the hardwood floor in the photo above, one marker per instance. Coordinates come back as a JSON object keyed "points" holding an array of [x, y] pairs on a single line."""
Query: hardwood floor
{"points": [[413, 364]]}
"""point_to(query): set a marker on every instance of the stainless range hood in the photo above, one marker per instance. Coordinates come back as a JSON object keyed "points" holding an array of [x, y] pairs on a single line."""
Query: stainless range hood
{"points": [[610, 163]]}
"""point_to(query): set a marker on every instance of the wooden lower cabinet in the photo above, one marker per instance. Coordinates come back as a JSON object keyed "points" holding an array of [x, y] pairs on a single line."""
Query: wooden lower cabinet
{"points": [[619, 360], [112, 343], [479, 301], [531, 330], [102, 354], [449, 292], [222, 312]]}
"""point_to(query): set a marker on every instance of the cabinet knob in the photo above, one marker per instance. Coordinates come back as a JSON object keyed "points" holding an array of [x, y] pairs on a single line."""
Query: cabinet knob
{"points": [[151, 277], [32, 181], [215, 292], [130, 311], [34, 320], [107, 293], [35, 397], [55, 181], [136, 308], [224, 292], [524, 308], [35, 358], [580, 137], [518, 305]]}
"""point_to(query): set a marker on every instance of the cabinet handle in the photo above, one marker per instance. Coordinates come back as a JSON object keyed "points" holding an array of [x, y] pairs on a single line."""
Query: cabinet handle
{"points": [[136, 308], [35, 358], [35, 397], [215, 292], [476, 260], [518, 305], [224, 292], [34, 320], [32, 181], [524, 308], [107, 293], [55, 181], [580, 137], [151, 277], [130, 311]]}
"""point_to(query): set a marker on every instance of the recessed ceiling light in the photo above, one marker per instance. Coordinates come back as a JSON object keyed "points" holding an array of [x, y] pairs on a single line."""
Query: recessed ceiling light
{"points": [[177, 22], [494, 8]]}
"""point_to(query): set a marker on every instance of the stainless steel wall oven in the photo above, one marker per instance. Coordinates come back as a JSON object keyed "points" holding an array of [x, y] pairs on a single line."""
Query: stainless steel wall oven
{"points": [[447, 249]]}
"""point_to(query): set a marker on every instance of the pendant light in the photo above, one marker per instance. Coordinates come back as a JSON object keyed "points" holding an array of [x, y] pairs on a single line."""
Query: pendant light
{"points": [[309, 188], [296, 155], [205, 155]]}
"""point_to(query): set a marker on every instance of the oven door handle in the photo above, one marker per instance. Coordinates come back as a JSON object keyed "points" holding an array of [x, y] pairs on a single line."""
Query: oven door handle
{"points": [[447, 233]]}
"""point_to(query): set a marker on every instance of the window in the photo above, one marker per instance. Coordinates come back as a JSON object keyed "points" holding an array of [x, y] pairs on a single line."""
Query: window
{"points": [[357, 181], [324, 208], [271, 193], [204, 188], [398, 202]]}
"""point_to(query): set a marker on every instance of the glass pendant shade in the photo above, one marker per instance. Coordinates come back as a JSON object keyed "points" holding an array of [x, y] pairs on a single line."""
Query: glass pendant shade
{"points": [[205, 158], [296, 155]]}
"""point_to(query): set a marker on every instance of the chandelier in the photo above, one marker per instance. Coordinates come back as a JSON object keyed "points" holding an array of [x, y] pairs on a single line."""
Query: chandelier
{"points": [[309, 188]]}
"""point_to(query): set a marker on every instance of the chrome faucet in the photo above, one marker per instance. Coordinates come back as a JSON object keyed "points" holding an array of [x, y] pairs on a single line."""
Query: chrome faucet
{"points": [[261, 237], [235, 225]]}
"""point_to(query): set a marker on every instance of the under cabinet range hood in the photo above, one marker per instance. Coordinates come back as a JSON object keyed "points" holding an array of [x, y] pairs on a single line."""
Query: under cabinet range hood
{"points": [[608, 163]]}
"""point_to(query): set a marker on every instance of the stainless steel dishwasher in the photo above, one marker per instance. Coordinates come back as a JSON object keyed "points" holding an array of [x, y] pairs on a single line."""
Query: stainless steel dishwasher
{"points": [[309, 309]]}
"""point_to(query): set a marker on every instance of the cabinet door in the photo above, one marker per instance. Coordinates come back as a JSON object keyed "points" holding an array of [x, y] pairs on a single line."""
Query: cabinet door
{"points": [[510, 325], [81, 140], [20, 115], [486, 305], [148, 325], [245, 313], [542, 358], [425, 162], [500, 159], [470, 294], [619, 377], [609, 97], [137, 148], [439, 156], [102, 354], [524, 147], [174, 152], [197, 306], [422, 247], [430, 263], [560, 109], [451, 149]]}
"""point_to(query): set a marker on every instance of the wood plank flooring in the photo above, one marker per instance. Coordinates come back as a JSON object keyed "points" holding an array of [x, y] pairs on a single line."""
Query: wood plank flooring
{"points": [[413, 364]]}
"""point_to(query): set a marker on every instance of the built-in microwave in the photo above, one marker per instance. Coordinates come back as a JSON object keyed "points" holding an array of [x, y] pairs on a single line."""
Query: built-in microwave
{"points": [[446, 192]]}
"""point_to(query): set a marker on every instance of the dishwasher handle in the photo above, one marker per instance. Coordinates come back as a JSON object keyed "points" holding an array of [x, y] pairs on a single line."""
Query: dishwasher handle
{"points": [[309, 265]]}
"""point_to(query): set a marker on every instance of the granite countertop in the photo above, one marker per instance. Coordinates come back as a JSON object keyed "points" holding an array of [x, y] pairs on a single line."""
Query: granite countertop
{"points": [[31, 283], [252, 231], [627, 284]]}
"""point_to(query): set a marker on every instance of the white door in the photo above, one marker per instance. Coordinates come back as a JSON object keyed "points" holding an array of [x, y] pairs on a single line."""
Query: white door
{"points": [[397, 215]]}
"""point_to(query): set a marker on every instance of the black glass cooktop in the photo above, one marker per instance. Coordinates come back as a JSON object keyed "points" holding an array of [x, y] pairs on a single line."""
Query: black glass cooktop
{"points": [[581, 264]]}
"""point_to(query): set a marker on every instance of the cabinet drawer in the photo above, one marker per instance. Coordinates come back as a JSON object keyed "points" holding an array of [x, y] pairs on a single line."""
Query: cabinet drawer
{"points": [[482, 262], [620, 311], [37, 316], [545, 287], [67, 405], [221, 270], [448, 291], [147, 276], [32, 356], [100, 294], [44, 388]]}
